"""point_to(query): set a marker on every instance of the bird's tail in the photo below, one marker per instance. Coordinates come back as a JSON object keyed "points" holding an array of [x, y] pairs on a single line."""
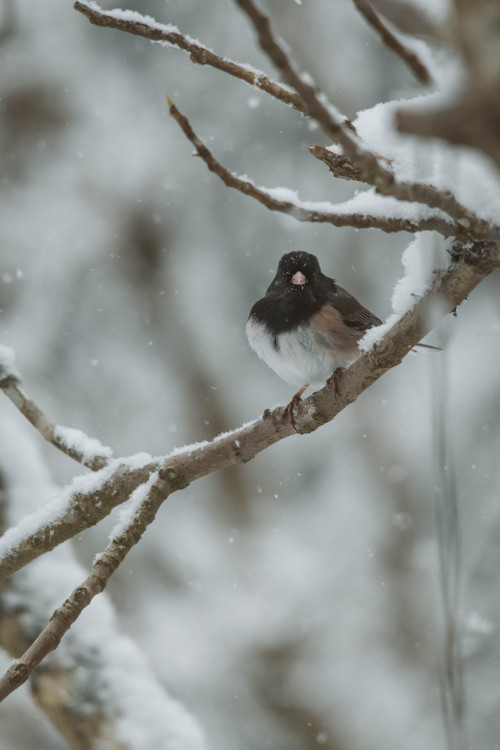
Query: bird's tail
{"points": [[428, 346]]}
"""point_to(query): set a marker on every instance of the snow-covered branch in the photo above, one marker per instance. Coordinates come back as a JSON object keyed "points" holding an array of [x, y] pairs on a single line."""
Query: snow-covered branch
{"points": [[73, 442], [147, 27], [371, 214], [469, 224], [85, 502], [359, 162]]}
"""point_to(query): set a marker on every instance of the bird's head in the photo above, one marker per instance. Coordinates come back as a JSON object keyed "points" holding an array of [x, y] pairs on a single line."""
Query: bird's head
{"points": [[296, 272]]}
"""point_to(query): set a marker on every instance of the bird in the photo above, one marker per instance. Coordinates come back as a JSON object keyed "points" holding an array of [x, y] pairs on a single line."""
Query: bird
{"points": [[307, 327]]}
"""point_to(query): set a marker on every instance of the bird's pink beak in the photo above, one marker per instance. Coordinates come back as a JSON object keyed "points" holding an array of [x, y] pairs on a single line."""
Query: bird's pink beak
{"points": [[299, 278]]}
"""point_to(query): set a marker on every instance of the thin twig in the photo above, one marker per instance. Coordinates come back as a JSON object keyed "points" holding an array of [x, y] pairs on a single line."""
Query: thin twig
{"points": [[338, 164], [143, 26], [300, 213], [391, 41], [95, 459], [469, 267], [341, 166], [412, 19]]}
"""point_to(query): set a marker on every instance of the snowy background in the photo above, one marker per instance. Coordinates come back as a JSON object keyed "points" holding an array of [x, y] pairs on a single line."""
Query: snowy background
{"points": [[293, 602]]}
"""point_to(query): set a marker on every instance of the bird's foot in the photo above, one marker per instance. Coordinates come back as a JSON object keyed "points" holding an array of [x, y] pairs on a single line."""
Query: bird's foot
{"points": [[334, 379], [295, 400]]}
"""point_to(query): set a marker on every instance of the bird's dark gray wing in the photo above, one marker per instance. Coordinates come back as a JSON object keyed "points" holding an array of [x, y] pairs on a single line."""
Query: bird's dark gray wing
{"points": [[353, 313]]}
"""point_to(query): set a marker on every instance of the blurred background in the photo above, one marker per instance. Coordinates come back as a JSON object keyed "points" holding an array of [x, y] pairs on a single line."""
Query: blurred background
{"points": [[293, 602]]}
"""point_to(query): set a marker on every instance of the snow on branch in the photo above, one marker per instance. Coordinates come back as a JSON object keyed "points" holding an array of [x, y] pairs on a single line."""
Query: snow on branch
{"points": [[147, 27], [371, 214], [74, 443], [469, 266], [409, 57], [469, 224], [85, 502]]}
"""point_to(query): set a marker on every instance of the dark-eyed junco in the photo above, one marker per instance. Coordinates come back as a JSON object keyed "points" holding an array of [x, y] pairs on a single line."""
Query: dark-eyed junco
{"points": [[307, 326]]}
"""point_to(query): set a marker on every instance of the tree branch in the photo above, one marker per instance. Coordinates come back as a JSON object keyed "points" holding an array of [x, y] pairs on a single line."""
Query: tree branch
{"points": [[341, 166], [98, 663], [303, 212], [391, 41], [149, 29], [74, 511], [410, 18], [74, 443], [363, 163], [366, 162]]}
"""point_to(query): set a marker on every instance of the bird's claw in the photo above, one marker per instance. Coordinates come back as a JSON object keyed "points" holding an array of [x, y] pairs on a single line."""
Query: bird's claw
{"points": [[295, 400], [334, 379]]}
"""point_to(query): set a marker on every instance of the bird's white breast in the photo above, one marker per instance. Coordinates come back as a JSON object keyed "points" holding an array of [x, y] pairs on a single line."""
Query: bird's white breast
{"points": [[297, 357]]}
